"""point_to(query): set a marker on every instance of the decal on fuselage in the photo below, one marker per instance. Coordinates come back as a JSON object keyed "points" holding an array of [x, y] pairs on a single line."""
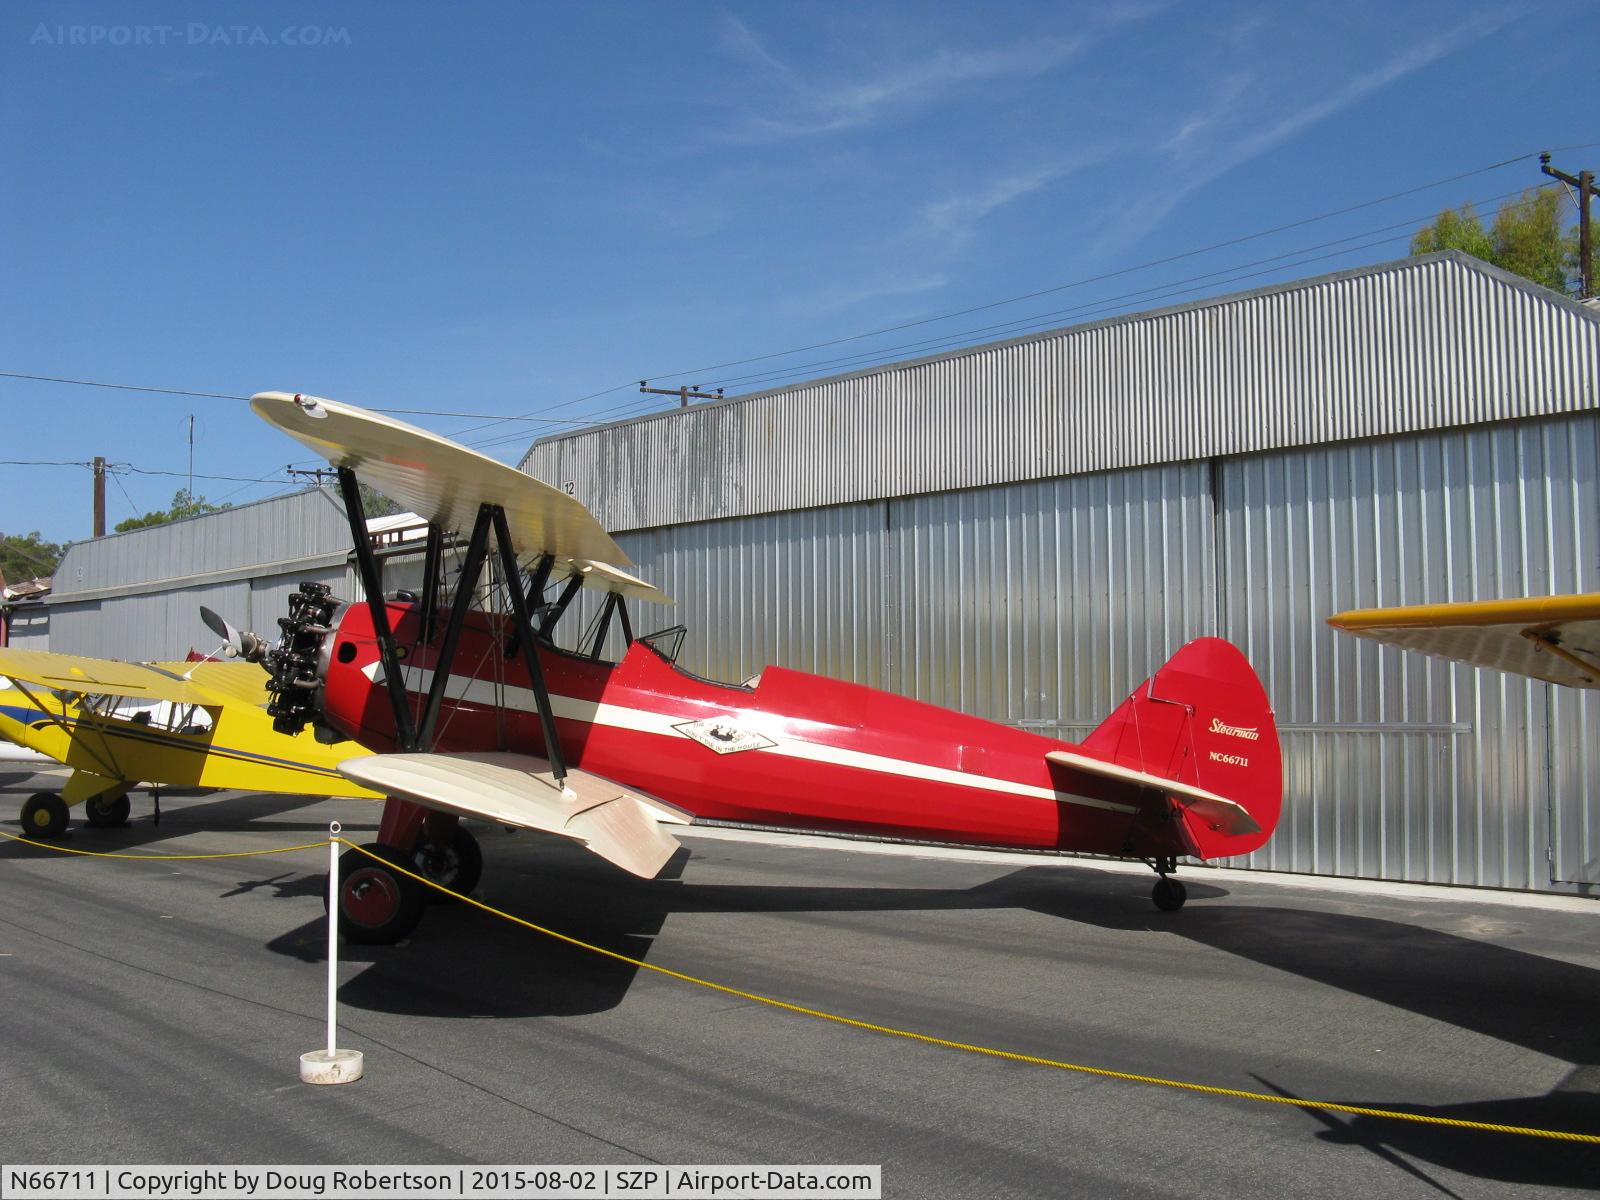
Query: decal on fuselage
{"points": [[723, 736]]}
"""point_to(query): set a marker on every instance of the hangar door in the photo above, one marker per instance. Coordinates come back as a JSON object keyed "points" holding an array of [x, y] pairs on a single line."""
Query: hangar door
{"points": [[1399, 765]]}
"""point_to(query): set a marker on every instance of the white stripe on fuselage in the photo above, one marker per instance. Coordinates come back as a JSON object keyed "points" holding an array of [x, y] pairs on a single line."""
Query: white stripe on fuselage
{"points": [[643, 720]]}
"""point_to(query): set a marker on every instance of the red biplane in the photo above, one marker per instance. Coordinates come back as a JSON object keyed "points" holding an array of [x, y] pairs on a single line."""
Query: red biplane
{"points": [[479, 713]]}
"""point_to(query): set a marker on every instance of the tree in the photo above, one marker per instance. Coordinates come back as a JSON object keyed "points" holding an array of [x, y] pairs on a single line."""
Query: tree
{"points": [[1527, 238], [183, 505], [374, 503], [26, 556]]}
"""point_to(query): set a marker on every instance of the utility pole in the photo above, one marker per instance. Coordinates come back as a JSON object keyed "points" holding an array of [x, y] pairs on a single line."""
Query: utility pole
{"points": [[320, 474], [684, 394], [1585, 185], [99, 496], [191, 456]]}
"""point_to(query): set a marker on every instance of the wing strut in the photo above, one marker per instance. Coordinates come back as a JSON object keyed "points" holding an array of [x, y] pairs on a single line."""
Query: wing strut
{"points": [[372, 585], [529, 644], [432, 562], [466, 584]]}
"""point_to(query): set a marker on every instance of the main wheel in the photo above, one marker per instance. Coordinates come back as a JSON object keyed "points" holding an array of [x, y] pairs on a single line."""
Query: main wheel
{"points": [[44, 815], [107, 814], [377, 905], [1169, 894], [457, 866]]}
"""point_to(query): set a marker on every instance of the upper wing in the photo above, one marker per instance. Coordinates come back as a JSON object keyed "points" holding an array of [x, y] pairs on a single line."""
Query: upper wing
{"points": [[605, 578], [438, 479], [102, 676], [1229, 816], [618, 824], [1554, 638]]}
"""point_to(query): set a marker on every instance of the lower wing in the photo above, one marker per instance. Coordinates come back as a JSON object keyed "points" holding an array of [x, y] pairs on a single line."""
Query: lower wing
{"points": [[620, 825]]}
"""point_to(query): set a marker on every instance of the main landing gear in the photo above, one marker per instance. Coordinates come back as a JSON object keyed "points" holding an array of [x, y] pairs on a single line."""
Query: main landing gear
{"points": [[44, 815], [380, 905], [1168, 893]]}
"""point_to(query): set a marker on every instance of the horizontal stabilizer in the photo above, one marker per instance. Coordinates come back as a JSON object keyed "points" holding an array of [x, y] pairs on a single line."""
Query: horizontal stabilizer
{"points": [[1226, 815], [620, 825]]}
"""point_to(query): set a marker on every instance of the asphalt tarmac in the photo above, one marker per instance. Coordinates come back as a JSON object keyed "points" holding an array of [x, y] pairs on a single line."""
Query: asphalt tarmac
{"points": [[155, 1013]]}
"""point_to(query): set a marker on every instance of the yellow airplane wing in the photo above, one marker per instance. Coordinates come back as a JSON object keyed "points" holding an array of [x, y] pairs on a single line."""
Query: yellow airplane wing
{"points": [[1554, 638], [102, 676], [243, 682]]}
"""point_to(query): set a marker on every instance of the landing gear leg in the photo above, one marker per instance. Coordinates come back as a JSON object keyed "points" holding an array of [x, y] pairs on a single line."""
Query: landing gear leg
{"points": [[1168, 894]]}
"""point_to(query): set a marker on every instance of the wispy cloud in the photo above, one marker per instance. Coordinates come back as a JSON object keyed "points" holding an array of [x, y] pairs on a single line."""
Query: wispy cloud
{"points": [[802, 105], [1216, 139], [953, 219], [874, 287]]}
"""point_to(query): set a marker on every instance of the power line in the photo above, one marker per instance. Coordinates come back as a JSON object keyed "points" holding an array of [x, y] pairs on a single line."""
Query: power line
{"points": [[166, 391], [1042, 291], [1038, 321]]}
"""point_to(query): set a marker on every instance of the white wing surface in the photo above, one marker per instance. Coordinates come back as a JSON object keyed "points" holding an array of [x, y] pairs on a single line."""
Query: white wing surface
{"points": [[620, 825]]}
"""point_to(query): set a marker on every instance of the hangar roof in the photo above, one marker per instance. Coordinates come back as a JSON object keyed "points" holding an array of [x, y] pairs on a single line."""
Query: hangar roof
{"points": [[1430, 342], [281, 534]]}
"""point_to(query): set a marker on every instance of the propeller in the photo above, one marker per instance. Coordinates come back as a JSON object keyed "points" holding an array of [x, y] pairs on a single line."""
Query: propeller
{"points": [[241, 643]]}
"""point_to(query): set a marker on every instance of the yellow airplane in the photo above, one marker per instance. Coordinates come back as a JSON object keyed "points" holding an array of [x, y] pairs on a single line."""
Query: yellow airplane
{"points": [[119, 724], [1554, 638]]}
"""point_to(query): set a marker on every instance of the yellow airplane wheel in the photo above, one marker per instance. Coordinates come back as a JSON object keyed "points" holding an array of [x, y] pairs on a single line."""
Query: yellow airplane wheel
{"points": [[44, 815], [107, 813]]}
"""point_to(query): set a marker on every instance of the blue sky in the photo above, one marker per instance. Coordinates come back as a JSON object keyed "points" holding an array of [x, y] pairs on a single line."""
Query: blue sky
{"points": [[501, 208]]}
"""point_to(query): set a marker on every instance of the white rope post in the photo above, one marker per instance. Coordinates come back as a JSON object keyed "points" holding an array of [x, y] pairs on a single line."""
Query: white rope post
{"points": [[334, 829], [332, 1065]]}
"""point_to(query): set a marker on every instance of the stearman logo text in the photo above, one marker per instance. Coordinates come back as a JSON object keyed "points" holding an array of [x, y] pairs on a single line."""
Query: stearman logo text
{"points": [[1238, 731]]}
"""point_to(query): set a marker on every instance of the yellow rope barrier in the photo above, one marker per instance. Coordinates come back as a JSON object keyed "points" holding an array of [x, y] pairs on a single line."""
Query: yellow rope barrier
{"points": [[987, 1051], [870, 1026], [164, 857]]}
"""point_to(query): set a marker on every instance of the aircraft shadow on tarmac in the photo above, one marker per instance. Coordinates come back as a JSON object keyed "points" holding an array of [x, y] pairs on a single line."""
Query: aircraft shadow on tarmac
{"points": [[463, 963], [202, 811]]}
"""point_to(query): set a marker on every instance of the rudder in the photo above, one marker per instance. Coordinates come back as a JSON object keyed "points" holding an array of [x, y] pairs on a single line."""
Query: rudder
{"points": [[1203, 719]]}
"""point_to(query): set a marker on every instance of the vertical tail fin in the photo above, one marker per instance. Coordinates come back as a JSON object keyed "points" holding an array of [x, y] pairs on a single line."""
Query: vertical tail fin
{"points": [[1203, 719]]}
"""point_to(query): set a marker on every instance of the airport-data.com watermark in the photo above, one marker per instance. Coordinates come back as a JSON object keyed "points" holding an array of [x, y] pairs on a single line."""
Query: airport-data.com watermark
{"points": [[192, 33]]}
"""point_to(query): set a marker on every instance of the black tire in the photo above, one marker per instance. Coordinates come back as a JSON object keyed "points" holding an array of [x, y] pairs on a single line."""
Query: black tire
{"points": [[1169, 894], [44, 815], [107, 814], [378, 906], [458, 866]]}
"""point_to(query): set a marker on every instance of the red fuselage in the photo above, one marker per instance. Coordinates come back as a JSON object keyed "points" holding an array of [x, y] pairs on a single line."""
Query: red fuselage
{"points": [[795, 750]]}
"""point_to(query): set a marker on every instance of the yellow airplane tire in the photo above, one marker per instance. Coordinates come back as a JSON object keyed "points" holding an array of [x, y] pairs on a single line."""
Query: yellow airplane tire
{"points": [[44, 815], [107, 812]]}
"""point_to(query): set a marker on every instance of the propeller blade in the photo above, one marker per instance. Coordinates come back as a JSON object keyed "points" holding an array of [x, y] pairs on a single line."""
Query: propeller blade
{"points": [[241, 643]]}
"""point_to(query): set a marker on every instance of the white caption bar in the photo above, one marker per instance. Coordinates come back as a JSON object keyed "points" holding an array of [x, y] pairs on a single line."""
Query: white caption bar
{"points": [[191, 1182]]}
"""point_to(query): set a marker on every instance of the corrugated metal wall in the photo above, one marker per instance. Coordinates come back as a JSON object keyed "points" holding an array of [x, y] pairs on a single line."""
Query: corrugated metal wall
{"points": [[137, 595], [308, 524], [1044, 603], [1437, 341], [30, 628]]}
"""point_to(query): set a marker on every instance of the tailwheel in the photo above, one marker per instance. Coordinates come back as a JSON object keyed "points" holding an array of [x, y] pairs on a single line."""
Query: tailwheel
{"points": [[1169, 894], [44, 815], [457, 864], [105, 812], [377, 905]]}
